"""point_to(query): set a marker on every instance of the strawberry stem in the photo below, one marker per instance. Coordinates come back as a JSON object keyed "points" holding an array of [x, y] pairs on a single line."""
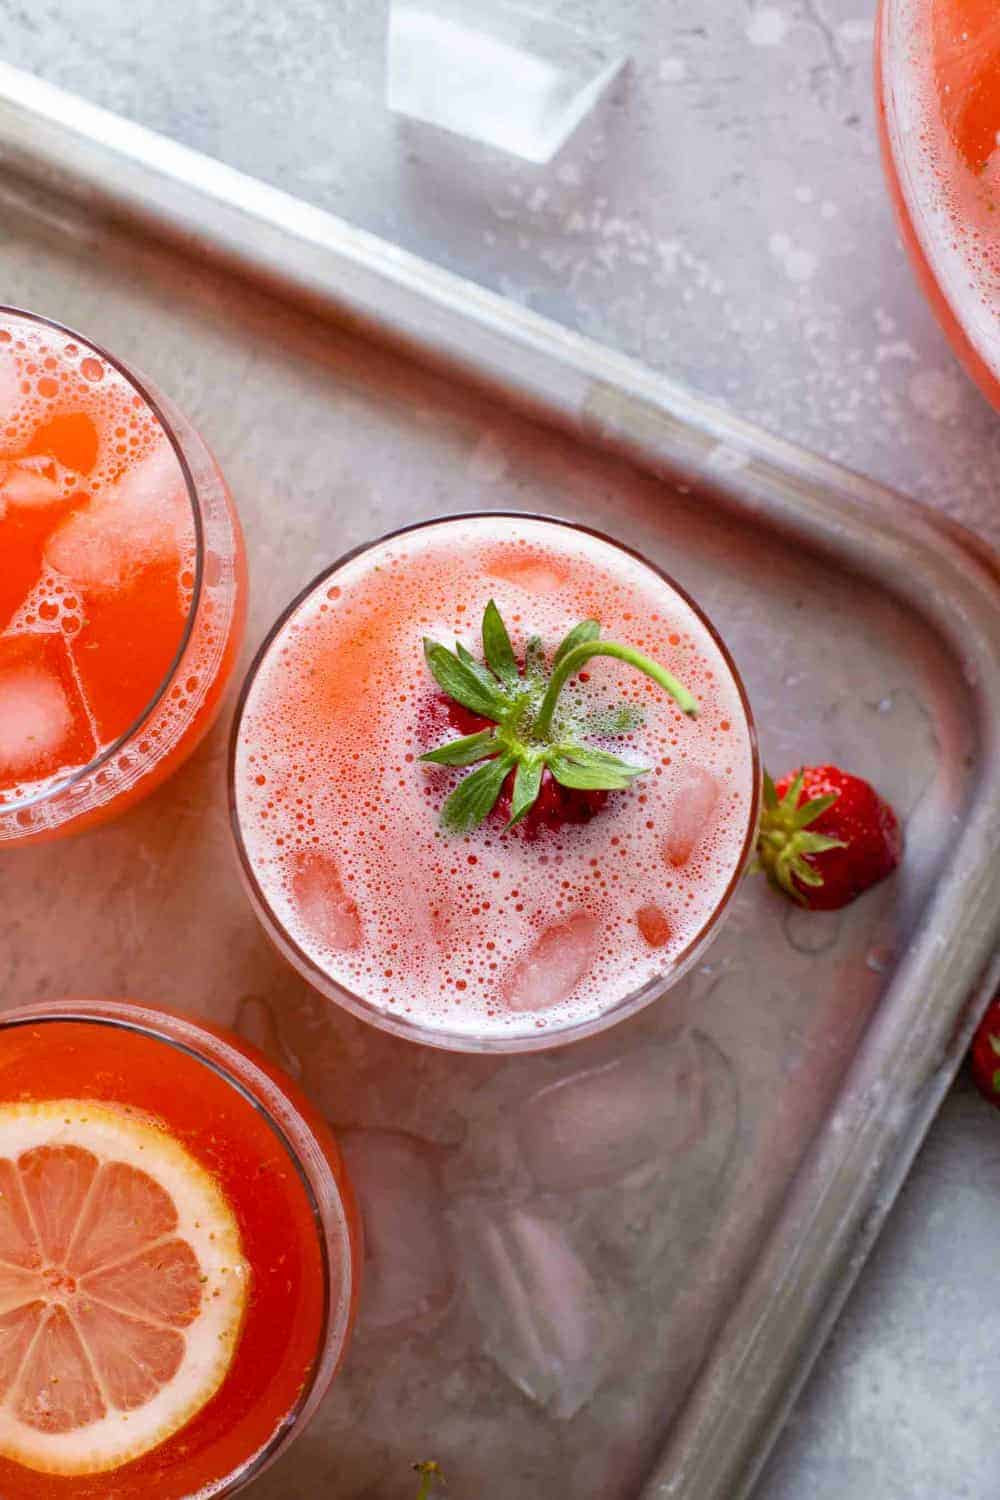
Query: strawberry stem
{"points": [[574, 659]]}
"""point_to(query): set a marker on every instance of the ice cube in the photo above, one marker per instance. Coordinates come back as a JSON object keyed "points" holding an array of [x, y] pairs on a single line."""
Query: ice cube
{"points": [[654, 925], [536, 575], [690, 815], [30, 482], [554, 964], [141, 520], [595, 1126], [44, 726], [409, 1275], [325, 906], [494, 73], [544, 1320]]}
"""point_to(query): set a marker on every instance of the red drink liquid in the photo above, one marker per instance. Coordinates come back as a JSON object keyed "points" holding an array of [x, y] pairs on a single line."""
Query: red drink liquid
{"points": [[259, 1145], [938, 80], [488, 940], [122, 585]]}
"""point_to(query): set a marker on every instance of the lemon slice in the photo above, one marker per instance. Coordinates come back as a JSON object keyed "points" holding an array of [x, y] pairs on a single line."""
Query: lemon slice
{"points": [[122, 1286]]}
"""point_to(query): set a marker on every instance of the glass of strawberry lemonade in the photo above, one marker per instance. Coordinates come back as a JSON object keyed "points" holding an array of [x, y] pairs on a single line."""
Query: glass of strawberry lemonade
{"points": [[509, 844], [938, 83], [122, 583], [179, 1256]]}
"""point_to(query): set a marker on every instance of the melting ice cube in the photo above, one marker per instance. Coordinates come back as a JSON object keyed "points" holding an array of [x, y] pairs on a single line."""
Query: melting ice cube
{"points": [[409, 1277], [536, 575], [30, 482], [544, 1319], [554, 964], [595, 1126], [326, 907], [693, 801], [494, 72], [139, 521], [44, 726], [654, 925]]}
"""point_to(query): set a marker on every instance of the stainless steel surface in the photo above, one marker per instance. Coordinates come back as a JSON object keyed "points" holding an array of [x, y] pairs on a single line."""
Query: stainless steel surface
{"points": [[722, 218], [753, 475]]}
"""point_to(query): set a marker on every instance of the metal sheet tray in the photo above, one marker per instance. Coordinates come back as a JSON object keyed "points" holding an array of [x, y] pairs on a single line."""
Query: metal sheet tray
{"points": [[601, 1272]]}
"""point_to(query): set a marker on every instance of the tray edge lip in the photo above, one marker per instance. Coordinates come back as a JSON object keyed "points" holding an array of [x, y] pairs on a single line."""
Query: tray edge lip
{"points": [[165, 187]]}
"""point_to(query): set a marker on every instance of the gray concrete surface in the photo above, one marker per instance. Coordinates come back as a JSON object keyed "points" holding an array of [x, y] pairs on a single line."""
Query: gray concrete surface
{"points": [[724, 218]]}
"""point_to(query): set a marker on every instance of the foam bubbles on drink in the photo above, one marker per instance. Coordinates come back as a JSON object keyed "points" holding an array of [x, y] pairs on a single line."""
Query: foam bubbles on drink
{"points": [[140, 519], [125, 510], [52, 604], [131, 507], [490, 932], [936, 62]]}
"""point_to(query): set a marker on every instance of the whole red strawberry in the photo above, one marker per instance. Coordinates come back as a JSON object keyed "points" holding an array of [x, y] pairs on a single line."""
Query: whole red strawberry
{"points": [[985, 1054], [826, 836]]}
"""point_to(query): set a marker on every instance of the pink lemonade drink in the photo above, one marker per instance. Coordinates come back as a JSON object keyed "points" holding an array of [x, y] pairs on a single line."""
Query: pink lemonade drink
{"points": [[938, 80], [576, 870], [122, 583]]}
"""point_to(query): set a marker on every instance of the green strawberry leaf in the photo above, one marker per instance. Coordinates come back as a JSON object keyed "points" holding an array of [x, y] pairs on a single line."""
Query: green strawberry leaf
{"points": [[810, 811], [586, 755], [527, 785], [785, 838], [460, 682], [817, 843], [475, 797], [466, 751], [790, 801], [485, 676], [497, 648], [592, 774]]}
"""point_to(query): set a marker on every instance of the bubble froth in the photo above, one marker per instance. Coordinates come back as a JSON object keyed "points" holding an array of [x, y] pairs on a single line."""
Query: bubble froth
{"points": [[944, 124], [489, 932], [91, 485]]}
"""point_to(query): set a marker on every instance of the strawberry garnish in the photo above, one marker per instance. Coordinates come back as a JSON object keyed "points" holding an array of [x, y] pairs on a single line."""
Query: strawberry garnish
{"points": [[555, 805], [530, 745], [826, 836], [985, 1054]]}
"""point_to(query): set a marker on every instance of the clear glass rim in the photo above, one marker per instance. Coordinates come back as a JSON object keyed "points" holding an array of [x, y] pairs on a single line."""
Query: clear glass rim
{"points": [[55, 788], [127, 1015], [460, 1041]]}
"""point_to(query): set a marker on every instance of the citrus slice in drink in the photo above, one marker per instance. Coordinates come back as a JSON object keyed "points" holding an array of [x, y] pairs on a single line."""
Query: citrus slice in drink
{"points": [[122, 1285]]}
